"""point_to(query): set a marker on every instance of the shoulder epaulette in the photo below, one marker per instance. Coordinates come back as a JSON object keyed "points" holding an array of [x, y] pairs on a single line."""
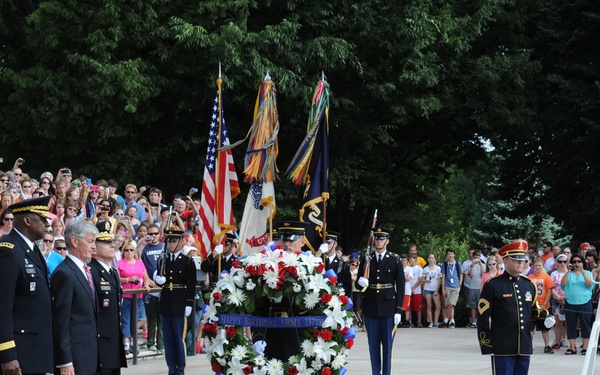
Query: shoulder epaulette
{"points": [[394, 254], [7, 244], [526, 278]]}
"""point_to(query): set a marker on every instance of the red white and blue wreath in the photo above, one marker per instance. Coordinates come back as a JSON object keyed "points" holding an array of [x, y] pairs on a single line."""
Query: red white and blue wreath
{"points": [[273, 273]]}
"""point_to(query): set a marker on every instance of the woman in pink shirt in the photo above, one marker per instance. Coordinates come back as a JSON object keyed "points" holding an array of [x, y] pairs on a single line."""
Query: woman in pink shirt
{"points": [[133, 275]]}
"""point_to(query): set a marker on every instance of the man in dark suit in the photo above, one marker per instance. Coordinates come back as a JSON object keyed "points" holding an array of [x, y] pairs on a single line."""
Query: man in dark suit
{"points": [[25, 303], [382, 300], [333, 262], [75, 305], [176, 299], [220, 259], [109, 292]]}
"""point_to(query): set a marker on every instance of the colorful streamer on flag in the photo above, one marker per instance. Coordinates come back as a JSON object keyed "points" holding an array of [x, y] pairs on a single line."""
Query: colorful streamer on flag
{"points": [[260, 170], [220, 184], [310, 166]]}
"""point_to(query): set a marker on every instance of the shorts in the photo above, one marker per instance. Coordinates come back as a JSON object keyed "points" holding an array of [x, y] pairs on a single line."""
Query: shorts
{"points": [[452, 296], [416, 302], [429, 292], [406, 303], [473, 296]]}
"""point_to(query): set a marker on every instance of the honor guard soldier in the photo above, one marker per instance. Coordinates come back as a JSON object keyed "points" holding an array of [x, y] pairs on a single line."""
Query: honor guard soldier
{"points": [[220, 259], [281, 343], [507, 305], [106, 280], [25, 302], [383, 276], [176, 299], [333, 262]]}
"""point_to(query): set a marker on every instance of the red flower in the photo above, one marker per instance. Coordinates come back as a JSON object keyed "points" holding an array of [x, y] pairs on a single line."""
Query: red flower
{"points": [[210, 328], [316, 333], [332, 280], [343, 299], [325, 298], [320, 268], [216, 367], [235, 264], [292, 371], [293, 271], [251, 270], [260, 270], [230, 331], [344, 330], [217, 296], [326, 335], [349, 343], [326, 371], [247, 370]]}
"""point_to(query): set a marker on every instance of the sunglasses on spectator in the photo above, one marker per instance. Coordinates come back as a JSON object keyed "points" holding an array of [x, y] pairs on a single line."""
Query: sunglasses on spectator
{"points": [[491, 264], [4, 180], [18, 174], [8, 219], [130, 192], [153, 234], [45, 183], [60, 248], [576, 261], [72, 209], [562, 261], [127, 250], [26, 186], [48, 241]]}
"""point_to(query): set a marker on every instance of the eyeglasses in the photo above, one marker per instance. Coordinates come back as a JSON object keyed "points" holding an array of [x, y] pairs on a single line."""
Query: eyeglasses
{"points": [[172, 240], [127, 250], [4, 180], [26, 186], [18, 174], [491, 264], [576, 261], [562, 261], [130, 192], [48, 241], [72, 209], [153, 234], [119, 214], [45, 183], [8, 219], [60, 248]]}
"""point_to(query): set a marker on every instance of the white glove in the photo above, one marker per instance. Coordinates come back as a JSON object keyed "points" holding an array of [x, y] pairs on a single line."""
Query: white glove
{"points": [[259, 348], [324, 248], [397, 319], [219, 249], [188, 310], [363, 282], [278, 299], [549, 322], [160, 280]]}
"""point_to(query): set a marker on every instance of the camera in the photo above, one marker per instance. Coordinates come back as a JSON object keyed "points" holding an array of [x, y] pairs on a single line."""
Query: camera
{"points": [[147, 187], [571, 267], [194, 190], [103, 208]]}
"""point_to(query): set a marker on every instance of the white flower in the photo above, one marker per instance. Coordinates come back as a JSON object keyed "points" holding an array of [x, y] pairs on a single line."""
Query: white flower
{"points": [[250, 285], [240, 351], [335, 316], [317, 283], [260, 361], [222, 361], [237, 297], [303, 369], [254, 259], [211, 311], [338, 362], [323, 349], [310, 262], [308, 348], [259, 370], [220, 339], [275, 367], [235, 366], [290, 259], [239, 277], [271, 278], [335, 302], [311, 299], [227, 282], [297, 288]]}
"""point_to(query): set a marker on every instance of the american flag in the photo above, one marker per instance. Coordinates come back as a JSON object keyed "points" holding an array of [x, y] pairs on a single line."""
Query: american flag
{"points": [[220, 183]]}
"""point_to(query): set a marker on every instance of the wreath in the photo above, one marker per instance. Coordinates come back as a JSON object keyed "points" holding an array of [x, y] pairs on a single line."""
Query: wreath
{"points": [[273, 274]]}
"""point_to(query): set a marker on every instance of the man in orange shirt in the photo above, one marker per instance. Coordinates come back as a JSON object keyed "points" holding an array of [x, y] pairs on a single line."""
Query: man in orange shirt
{"points": [[547, 251]]}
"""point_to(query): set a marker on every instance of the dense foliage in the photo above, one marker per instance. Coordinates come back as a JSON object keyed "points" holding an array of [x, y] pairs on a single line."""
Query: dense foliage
{"points": [[124, 90]]}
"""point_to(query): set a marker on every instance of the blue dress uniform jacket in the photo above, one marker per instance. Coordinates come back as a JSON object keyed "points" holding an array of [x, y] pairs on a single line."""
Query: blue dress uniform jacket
{"points": [[342, 270], [110, 336], [75, 314], [25, 307], [385, 293], [511, 303], [179, 289], [210, 264]]}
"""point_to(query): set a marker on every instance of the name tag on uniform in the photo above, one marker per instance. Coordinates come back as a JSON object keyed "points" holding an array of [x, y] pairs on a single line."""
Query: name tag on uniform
{"points": [[104, 287], [507, 295], [29, 268]]}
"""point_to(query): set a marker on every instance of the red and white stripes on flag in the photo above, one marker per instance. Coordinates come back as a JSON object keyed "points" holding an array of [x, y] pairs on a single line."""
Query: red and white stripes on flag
{"points": [[220, 184]]}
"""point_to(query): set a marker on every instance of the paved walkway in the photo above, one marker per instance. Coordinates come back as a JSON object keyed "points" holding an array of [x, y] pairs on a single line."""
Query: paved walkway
{"points": [[416, 351]]}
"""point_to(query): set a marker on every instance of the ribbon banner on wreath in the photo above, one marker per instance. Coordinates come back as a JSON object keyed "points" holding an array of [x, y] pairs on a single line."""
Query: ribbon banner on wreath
{"points": [[324, 313]]}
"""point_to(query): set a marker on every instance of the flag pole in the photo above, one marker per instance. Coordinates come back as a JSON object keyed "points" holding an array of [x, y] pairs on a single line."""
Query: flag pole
{"points": [[220, 119]]}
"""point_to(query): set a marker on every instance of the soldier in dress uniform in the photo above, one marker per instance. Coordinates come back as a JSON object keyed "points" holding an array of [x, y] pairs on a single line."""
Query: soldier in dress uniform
{"points": [[220, 259], [282, 343], [25, 302], [507, 305], [176, 299], [106, 280], [382, 300], [333, 262]]}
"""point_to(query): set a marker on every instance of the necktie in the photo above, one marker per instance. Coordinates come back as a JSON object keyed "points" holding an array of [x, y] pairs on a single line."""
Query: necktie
{"points": [[89, 277], [378, 258], [172, 257]]}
